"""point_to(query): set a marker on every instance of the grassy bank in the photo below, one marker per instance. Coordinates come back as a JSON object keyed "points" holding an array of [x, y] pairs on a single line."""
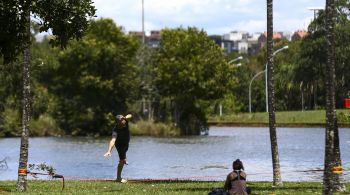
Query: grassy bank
{"points": [[94, 187], [290, 118], [148, 128]]}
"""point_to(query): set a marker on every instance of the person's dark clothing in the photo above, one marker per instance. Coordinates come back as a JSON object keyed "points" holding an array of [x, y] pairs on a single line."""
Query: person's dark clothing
{"points": [[122, 136], [236, 183], [122, 149]]}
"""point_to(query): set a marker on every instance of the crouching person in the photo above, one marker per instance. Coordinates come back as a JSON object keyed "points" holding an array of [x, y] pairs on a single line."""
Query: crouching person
{"points": [[236, 180]]}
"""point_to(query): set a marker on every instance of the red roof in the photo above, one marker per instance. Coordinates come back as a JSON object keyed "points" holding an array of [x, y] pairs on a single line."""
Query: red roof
{"points": [[276, 35]]}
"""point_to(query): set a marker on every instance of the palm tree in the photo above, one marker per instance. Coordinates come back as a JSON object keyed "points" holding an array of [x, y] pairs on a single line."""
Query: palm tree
{"points": [[331, 180], [271, 97], [23, 159]]}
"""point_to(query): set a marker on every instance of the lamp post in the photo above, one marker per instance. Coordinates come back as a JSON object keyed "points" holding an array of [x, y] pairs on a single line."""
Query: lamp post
{"points": [[266, 92], [143, 23], [315, 10], [256, 75], [237, 65], [236, 59]]}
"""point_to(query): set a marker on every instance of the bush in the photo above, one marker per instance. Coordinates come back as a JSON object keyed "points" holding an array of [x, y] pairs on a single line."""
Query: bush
{"points": [[45, 125], [10, 124], [153, 129], [343, 117]]}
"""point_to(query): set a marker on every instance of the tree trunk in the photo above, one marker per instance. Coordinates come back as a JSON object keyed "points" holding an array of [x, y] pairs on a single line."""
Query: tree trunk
{"points": [[271, 97], [23, 159], [331, 180]]}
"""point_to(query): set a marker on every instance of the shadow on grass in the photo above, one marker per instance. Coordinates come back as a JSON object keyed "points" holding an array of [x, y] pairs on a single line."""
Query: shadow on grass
{"points": [[112, 190], [194, 189], [287, 188], [6, 188]]}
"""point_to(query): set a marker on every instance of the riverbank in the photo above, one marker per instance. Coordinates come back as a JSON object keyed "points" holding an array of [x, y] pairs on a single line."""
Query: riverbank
{"points": [[169, 187], [314, 118]]}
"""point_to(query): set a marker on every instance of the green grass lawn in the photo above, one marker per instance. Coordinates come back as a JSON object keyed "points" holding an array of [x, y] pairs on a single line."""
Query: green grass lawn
{"points": [[174, 187], [314, 117]]}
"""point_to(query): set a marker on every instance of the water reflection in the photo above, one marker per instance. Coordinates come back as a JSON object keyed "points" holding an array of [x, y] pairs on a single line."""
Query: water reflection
{"points": [[200, 157]]}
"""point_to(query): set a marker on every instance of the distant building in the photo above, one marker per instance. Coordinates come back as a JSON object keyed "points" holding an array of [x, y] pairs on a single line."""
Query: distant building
{"points": [[242, 46], [263, 38], [253, 46], [137, 34], [287, 35], [298, 35], [235, 36], [226, 45], [153, 40], [236, 41], [217, 39]]}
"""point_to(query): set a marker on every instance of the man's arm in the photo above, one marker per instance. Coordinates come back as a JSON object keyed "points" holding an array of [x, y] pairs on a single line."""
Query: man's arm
{"points": [[129, 116], [111, 144]]}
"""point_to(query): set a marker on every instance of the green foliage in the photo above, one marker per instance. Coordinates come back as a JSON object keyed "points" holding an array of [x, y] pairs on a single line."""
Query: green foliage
{"points": [[312, 60], [150, 128], [11, 30], [162, 187], [95, 76], [67, 19], [191, 64], [10, 123], [42, 167], [284, 118], [44, 125], [191, 67], [343, 117]]}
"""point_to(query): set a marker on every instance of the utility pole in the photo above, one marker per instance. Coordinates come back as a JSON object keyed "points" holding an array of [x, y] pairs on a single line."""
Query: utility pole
{"points": [[315, 10], [143, 23]]}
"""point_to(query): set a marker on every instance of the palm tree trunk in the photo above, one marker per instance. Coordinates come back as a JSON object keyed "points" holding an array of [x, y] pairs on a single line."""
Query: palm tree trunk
{"points": [[23, 159], [277, 180], [331, 181]]}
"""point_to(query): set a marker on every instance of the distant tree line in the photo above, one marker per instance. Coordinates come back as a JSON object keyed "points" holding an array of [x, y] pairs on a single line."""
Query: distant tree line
{"points": [[79, 90]]}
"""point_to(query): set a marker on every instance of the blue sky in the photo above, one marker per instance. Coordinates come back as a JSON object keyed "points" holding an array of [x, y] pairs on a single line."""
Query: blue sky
{"points": [[214, 16]]}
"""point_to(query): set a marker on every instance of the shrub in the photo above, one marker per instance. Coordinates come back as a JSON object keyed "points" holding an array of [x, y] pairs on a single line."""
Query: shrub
{"points": [[153, 129], [10, 124], [45, 125]]}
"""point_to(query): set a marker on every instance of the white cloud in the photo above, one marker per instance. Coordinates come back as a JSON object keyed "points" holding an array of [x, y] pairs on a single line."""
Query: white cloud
{"points": [[250, 26], [214, 16]]}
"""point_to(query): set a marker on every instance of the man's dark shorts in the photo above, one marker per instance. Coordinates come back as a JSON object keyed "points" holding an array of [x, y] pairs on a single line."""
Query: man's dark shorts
{"points": [[122, 149]]}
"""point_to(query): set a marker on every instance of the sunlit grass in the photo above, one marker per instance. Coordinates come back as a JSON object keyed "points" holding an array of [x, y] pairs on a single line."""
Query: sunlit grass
{"points": [[150, 128], [313, 117], [174, 187]]}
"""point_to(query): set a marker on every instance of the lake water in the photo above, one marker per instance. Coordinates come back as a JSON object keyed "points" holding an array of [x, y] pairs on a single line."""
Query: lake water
{"points": [[198, 158]]}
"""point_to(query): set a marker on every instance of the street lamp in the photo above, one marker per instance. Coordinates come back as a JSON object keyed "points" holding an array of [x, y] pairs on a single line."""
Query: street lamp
{"points": [[236, 65], [257, 74], [236, 59], [315, 10], [266, 90]]}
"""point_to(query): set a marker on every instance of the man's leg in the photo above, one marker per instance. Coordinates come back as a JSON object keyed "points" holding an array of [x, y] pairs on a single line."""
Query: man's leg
{"points": [[122, 160], [119, 170]]}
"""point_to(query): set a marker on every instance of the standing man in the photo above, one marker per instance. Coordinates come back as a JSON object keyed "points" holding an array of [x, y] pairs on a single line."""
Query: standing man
{"points": [[120, 138]]}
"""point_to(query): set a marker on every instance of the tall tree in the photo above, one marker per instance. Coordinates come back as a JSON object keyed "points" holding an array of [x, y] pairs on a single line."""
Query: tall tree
{"points": [[190, 68], [277, 180], [95, 76], [23, 159], [66, 19], [331, 181]]}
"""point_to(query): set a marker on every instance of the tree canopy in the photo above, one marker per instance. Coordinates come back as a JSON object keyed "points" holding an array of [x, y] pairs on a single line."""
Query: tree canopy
{"points": [[95, 78], [191, 67], [65, 19]]}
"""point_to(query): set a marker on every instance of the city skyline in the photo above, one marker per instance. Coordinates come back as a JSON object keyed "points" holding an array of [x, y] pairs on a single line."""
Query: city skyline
{"points": [[213, 16]]}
